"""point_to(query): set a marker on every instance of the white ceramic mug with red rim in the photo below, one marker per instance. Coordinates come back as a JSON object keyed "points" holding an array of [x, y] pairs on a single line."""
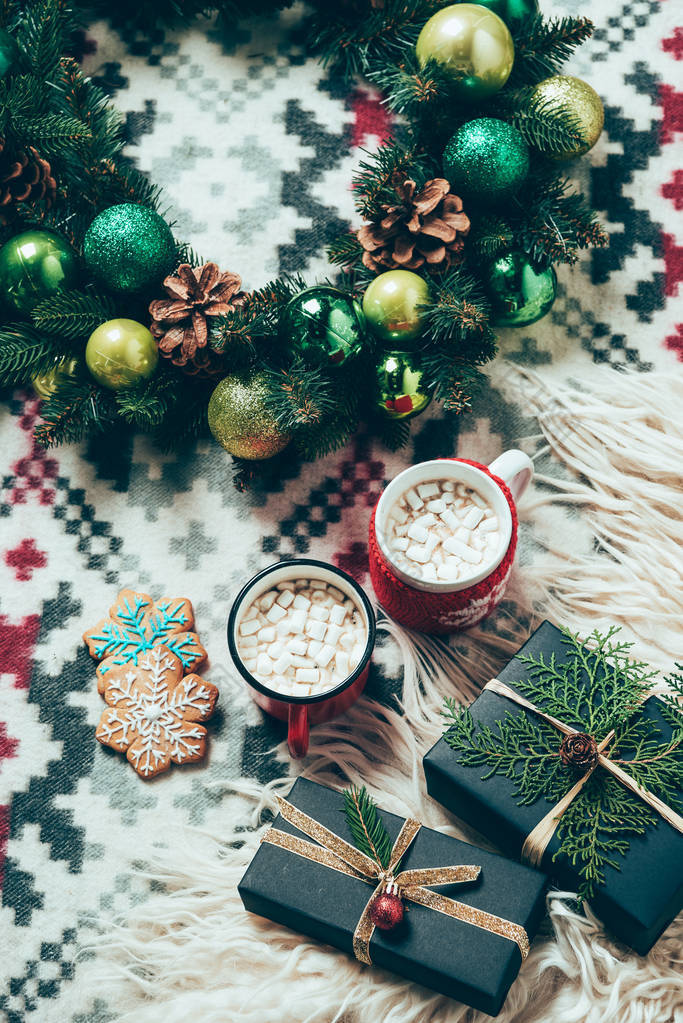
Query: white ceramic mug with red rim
{"points": [[302, 711]]}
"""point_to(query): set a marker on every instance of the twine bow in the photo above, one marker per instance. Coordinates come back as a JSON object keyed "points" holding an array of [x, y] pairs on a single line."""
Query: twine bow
{"points": [[414, 885], [538, 839]]}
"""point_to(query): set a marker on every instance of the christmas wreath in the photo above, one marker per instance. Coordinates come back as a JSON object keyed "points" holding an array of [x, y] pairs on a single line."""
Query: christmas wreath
{"points": [[117, 324]]}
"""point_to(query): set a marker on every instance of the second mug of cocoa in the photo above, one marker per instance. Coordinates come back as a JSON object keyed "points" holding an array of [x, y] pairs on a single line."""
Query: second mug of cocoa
{"points": [[443, 538]]}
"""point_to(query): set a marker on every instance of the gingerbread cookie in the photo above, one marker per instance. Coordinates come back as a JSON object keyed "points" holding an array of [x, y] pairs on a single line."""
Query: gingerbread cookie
{"points": [[136, 624], [152, 712]]}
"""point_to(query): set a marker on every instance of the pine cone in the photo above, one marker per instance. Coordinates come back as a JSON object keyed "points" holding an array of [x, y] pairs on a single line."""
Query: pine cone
{"points": [[180, 321], [25, 177], [579, 750], [429, 227]]}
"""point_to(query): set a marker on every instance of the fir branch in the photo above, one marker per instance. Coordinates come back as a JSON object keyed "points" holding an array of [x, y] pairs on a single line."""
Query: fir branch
{"points": [[374, 182], [24, 353], [149, 404], [366, 826], [78, 408], [73, 314], [490, 237], [346, 251], [541, 47], [549, 128], [299, 395], [52, 134]]}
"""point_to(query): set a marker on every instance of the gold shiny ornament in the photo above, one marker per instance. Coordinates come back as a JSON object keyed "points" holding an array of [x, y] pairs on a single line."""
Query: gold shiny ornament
{"points": [[473, 44], [240, 421], [392, 305], [48, 383], [563, 92], [121, 353]]}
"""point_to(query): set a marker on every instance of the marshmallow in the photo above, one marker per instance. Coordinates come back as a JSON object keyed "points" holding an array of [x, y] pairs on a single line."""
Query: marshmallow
{"points": [[276, 614], [250, 627]]}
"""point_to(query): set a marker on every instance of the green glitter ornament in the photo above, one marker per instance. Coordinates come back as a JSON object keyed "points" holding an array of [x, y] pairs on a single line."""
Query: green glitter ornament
{"points": [[34, 266], [401, 393], [513, 12], [486, 158], [121, 353], [240, 421], [324, 326], [519, 295], [9, 51], [129, 248], [473, 44], [392, 305]]}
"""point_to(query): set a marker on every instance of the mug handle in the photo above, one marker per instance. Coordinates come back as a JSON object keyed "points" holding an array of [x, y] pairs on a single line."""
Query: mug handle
{"points": [[515, 469], [297, 732]]}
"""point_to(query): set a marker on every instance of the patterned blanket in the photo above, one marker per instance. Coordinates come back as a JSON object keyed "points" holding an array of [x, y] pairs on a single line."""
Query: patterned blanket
{"points": [[255, 144]]}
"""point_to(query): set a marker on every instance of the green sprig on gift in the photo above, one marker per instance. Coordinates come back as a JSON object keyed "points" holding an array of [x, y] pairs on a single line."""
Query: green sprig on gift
{"points": [[594, 692]]}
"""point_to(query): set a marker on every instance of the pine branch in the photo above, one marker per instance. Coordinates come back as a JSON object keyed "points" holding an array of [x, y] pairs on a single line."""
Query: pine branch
{"points": [[52, 134], [490, 237], [374, 182], [149, 404], [346, 251], [73, 314], [366, 826]]}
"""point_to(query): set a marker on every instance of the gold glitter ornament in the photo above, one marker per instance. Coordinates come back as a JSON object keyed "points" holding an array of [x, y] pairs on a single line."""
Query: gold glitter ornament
{"points": [[563, 92], [240, 421]]}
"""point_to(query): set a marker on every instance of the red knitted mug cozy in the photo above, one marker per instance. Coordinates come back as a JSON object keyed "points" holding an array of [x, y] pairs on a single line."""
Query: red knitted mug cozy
{"points": [[442, 612]]}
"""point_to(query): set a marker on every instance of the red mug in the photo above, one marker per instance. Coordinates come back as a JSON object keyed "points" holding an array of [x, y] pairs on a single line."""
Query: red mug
{"points": [[301, 711], [442, 607]]}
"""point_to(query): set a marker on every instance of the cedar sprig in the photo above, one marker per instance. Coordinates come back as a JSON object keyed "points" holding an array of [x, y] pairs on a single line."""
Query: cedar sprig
{"points": [[596, 689], [366, 826]]}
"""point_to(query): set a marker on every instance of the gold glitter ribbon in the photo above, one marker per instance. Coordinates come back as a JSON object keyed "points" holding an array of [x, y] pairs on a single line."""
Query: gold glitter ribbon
{"points": [[538, 839], [414, 885]]}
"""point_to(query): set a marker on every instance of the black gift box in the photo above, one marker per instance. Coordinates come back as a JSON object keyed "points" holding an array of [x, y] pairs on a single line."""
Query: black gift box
{"points": [[636, 902], [448, 955]]}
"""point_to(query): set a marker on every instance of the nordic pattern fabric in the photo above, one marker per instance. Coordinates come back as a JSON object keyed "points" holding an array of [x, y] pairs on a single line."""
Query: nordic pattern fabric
{"points": [[255, 145]]}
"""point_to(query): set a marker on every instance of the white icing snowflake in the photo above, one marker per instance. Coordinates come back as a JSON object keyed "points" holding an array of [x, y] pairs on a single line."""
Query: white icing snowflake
{"points": [[153, 711]]}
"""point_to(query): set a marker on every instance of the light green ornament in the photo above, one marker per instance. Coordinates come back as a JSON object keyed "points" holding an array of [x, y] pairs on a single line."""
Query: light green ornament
{"points": [[121, 353], [392, 305], [473, 44], [519, 295]]}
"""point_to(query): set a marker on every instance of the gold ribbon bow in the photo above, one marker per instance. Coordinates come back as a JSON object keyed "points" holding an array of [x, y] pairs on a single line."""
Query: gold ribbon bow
{"points": [[537, 840], [414, 885]]}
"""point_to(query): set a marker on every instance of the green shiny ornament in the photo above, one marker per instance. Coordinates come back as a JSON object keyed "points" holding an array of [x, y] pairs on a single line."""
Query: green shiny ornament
{"points": [[129, 248], [513, 12], [519, 295], [562, 92], [50, 382], [324, 326], [473, 44], [401, 393], [121, 353], [240, 421], [34, 266], [9, 51], [392, 305], [486, 158]]}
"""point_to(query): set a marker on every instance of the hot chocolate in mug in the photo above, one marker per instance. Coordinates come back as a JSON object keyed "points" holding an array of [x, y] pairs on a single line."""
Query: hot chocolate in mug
{"points": [[441, 605]]}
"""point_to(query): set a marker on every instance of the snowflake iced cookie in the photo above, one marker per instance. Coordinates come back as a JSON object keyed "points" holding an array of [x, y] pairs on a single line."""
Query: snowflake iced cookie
{"points": [[153, 710], [136, 625]]}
